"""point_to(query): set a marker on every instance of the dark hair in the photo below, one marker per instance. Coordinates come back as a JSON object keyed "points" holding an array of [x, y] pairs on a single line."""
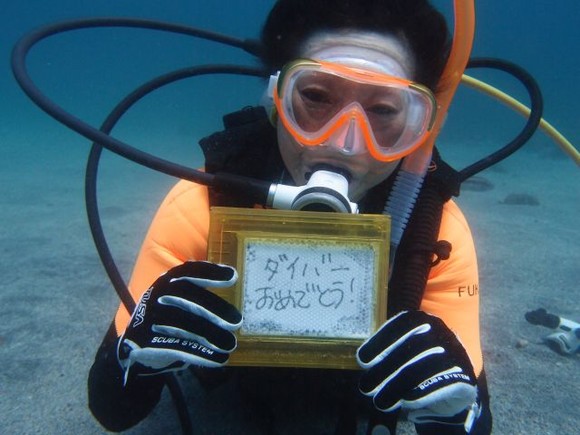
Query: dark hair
{"points": [[291, 22]]}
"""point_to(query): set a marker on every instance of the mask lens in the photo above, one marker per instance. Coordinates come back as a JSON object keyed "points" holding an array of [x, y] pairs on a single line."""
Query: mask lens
{"points": [[316, 100]]}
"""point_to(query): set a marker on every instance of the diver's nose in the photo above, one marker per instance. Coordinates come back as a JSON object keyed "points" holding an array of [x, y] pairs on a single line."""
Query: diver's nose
{"points": [[350, 139]]}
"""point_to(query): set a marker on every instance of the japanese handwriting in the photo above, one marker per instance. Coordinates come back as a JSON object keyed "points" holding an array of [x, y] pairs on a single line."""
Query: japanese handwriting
{"points": [[298, 283], [306, 288]]}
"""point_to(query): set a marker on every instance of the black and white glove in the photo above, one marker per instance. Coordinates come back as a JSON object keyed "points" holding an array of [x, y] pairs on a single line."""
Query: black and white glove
{"points": [[415, 363], [178, 322]]}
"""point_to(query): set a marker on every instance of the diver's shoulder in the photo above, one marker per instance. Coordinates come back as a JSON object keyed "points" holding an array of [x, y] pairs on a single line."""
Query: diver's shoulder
{"points": [[453, 216], [184, 190]]}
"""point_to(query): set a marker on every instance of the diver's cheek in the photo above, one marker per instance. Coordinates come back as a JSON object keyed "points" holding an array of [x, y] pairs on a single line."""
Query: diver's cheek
{"points": [[358, 188], [368, 176], [292, 155]]}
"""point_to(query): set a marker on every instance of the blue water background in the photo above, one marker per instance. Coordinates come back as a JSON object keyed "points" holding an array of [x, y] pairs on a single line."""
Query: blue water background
{"points": [[88, 71], [44, 233]]}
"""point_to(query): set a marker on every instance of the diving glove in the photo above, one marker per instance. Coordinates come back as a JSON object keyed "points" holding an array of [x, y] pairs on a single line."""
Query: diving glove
{"points": [[178, 322], [415, 363]]}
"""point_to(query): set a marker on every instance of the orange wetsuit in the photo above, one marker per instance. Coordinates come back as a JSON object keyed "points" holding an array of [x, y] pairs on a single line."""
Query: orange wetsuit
{"points": [[179, 233]]}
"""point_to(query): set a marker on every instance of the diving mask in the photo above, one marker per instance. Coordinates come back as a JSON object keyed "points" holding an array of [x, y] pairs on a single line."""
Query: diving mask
{"points": [[356, 110]]}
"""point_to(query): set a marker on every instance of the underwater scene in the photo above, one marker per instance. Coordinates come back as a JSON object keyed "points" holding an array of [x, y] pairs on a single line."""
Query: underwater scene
{"points": [[57, 302]]}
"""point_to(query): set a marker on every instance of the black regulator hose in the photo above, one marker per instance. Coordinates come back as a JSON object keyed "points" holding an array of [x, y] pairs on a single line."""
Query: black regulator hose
{"points": [[102, 139], [19, 69], [91, 173], [257, 189], [536, 112]]}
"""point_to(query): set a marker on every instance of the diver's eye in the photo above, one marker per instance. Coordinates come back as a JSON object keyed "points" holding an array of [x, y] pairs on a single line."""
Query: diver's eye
{"points": [[315, 96], [383, 110]]}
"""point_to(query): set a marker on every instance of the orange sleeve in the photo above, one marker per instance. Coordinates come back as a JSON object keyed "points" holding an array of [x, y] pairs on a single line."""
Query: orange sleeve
{"points": [[177, 233], [452, 291]]}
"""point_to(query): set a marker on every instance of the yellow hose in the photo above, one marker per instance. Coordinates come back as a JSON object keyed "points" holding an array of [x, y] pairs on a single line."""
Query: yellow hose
{"points": [[509, 101]]}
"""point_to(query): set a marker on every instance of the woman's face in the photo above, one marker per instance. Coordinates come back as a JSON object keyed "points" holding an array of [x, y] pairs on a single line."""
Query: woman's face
{"points": [[356, 49]]}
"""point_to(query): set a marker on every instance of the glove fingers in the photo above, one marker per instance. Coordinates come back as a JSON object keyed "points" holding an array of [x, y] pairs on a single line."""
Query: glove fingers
{"points": [[201, 302], [178, 322], [415, 347], [204, 274], [175, 322], [415, 362], [392, 334], [405, 378]]}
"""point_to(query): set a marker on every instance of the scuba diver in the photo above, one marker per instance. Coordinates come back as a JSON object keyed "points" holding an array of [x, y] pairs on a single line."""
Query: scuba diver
{"points": [[355, 91]]}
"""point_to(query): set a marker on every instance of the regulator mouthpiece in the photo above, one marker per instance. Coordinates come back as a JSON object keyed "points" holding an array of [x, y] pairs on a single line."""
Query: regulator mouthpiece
{"points": [[326, 190]]}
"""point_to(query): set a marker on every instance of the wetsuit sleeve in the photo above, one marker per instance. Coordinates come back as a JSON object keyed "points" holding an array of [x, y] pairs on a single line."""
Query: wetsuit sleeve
{"points": [[177, 233], [452, 291], [452, 294], [115, 406]]}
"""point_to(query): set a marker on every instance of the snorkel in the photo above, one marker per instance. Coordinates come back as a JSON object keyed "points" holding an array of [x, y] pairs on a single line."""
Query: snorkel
{"points": [[414, 167]]}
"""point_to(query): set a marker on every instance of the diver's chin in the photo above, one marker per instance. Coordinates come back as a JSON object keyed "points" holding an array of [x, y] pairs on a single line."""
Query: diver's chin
{"points": [[354, 193], [329, 168]]}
